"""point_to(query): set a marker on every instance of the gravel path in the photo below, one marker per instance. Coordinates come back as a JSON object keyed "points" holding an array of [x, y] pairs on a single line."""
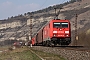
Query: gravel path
{"points": [[66, 53]]}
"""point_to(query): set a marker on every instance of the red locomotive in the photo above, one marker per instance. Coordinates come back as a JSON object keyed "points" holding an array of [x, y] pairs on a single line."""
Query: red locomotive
{"points": [[55, 32]]}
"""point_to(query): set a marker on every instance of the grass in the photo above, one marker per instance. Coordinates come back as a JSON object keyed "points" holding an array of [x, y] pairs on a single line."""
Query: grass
{"points": [[48, 56], [25, 54], [19, 54], [4, 47]]}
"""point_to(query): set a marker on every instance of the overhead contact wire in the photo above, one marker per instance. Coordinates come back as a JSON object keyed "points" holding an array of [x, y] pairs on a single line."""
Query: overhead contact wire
{"points": [[43, 4]]}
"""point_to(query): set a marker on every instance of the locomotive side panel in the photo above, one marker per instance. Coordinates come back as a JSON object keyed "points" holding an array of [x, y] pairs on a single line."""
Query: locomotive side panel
{"points": [[69, 29], [51, 28]]}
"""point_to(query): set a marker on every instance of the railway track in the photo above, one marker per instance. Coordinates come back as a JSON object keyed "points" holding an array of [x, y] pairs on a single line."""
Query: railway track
{"points": [[68, 52], [76, 48], [37, 55]]}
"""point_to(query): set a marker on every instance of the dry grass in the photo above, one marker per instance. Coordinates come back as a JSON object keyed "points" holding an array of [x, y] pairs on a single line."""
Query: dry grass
{"points": [[19, 54], [25, 53], [84, 39], [48, 56]]}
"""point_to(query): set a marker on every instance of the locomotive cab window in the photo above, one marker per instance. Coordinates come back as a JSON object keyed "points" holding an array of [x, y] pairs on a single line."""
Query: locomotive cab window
{"points": [[56, 25], [64, 25], [60, 24]]}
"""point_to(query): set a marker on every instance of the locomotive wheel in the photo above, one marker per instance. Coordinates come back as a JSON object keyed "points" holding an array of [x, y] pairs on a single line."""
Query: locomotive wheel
{"points": [[50, 44], [46, 43], [64, 44]]}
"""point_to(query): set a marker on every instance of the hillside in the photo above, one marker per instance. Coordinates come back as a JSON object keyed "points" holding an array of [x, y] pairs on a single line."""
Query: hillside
{"points": [[16, 28]]}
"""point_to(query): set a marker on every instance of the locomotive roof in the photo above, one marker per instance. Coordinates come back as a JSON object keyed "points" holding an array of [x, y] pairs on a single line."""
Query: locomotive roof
{"points": [[58, 20]]}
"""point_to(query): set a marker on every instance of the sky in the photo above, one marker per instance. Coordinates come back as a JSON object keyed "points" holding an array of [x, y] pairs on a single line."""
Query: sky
{"points": [[10, 8]]}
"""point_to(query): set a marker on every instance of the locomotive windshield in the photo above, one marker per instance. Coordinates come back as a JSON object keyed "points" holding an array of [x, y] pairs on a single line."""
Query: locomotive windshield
{"points": [[60, 24]]}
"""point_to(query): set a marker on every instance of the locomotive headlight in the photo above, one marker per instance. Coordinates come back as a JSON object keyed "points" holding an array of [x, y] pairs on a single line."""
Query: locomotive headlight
{"points": [[66, 31], [54, 35], [66, 35], [54, 31]]}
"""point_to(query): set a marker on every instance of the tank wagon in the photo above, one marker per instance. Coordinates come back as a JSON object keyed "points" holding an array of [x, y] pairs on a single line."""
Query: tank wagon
{"points": [[55, 32]]}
